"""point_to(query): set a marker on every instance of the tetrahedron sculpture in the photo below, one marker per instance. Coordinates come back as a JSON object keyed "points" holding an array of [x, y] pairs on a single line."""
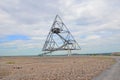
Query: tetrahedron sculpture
{"points": [[59, 38]]}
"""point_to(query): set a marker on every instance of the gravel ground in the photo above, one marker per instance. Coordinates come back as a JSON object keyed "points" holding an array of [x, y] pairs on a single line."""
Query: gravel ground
{"points": [[112, 73], [53, 68]]}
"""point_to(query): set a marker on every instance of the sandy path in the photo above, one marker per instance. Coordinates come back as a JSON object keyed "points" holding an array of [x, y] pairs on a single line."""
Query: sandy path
{"points": [[111, 74]]}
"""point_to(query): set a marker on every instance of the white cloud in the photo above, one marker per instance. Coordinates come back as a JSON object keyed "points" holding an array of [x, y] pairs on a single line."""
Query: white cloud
{"points": [[5, 18], [97, 21], [93, 37]]}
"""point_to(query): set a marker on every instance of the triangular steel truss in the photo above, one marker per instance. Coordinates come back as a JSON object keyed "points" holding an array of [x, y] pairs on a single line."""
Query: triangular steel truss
{"points": [[59, 38]]}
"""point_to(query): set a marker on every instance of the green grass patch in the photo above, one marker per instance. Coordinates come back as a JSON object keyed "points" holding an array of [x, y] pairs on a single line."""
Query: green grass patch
{"points": [[11, 62]]}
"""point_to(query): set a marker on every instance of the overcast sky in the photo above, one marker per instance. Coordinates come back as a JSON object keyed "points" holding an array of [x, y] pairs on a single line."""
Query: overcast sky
{"points": [[24, 24]]}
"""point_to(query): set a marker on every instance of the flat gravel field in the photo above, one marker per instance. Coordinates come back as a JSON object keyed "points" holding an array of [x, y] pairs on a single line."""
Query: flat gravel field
{"points": [[53, 68]]}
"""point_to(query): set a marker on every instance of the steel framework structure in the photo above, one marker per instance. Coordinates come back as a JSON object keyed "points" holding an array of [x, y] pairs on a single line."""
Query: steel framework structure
{"points": [[59, 38]]}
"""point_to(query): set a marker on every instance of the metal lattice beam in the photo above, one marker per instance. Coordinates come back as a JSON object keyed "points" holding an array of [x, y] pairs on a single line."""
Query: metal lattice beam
{"points": [[59, 38]]}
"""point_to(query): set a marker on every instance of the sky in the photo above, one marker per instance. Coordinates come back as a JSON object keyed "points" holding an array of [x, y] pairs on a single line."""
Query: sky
{"points": [[24, 24]]}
